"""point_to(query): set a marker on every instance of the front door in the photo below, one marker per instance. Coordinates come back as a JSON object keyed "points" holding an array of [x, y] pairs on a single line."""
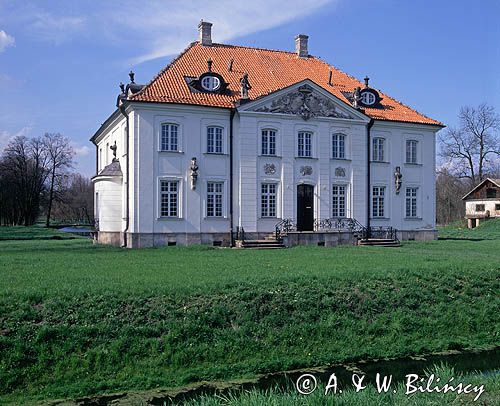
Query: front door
{"points": [[305, 207]]}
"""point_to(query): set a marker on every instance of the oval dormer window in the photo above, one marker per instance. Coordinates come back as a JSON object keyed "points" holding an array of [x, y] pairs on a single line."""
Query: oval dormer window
{"points": [[368, 98], [210, 83]]}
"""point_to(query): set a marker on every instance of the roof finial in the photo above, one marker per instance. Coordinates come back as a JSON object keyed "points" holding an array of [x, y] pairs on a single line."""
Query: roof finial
{"points": [[114, 148], [131, 74], [244, 87], [366, 81], [122, 87], [231, 65], [209, 63], [330, 79]]}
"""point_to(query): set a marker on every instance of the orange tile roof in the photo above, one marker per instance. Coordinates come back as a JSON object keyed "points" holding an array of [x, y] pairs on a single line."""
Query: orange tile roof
{"points": [[268, 71]]}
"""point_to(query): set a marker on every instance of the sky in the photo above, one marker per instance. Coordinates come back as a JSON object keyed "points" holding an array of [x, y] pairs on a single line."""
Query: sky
{"points": [[61, 61]]}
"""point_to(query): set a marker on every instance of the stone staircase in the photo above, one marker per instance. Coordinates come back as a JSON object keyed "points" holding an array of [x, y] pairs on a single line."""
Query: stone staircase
{"points": [[379, 242], [268, 243]]}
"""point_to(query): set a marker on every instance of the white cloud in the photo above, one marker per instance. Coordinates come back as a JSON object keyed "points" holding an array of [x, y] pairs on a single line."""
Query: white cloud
{"points": [[6, 136], [6, 40], [161, 30], [55, 29], [81, 150]]}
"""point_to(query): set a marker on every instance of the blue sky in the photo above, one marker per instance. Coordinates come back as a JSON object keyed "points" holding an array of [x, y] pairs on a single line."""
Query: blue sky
{"points": [[61, 61]]}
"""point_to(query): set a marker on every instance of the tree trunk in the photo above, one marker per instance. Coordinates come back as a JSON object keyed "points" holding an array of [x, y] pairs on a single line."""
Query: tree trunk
{"points": [[51, 195]]}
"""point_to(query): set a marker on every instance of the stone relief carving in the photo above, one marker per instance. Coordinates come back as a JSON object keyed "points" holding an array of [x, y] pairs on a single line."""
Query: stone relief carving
{"points": [[193, 168], [306, 170], [269, 169], [398, 179], [304, 103], [340, 172]]}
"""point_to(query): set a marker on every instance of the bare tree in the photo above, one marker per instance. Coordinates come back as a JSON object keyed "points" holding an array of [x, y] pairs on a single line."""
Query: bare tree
{"points": [[23, 168], [475, 145], [449, 192], [60, 158], [76, 203]]}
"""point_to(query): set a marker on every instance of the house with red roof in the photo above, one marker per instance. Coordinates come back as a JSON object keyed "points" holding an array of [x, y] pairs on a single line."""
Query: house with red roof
{"points": [[238, 146]]}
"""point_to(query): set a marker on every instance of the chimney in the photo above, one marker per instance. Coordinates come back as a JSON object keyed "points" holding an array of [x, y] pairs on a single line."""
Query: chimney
{"points": [[301, 45], [205, 33]]}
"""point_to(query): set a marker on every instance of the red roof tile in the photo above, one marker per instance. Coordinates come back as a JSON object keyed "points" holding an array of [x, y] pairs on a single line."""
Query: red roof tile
{"points": [[268, 71]]}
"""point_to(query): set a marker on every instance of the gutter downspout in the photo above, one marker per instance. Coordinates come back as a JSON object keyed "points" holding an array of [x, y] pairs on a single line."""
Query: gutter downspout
{"points": [[127, 177], [368, 175], [231, 221]]}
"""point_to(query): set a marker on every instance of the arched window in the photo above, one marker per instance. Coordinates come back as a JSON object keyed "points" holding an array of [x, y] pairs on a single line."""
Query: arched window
{"points": [[169, 137], [338, 146]]}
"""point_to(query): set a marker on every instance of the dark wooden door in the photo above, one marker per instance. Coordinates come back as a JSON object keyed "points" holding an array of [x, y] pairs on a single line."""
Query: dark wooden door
{"points": [[305, 207]]}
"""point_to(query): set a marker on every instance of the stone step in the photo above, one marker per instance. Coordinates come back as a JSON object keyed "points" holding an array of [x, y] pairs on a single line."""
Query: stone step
{"points": [[380, 242], [259, 244]]}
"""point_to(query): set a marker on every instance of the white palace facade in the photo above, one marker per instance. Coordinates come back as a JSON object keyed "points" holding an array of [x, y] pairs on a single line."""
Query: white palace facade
{"points": [[230, 142]]}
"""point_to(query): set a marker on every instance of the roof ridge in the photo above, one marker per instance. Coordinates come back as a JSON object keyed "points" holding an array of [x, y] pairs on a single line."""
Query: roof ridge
{"points": [[256, 48]]}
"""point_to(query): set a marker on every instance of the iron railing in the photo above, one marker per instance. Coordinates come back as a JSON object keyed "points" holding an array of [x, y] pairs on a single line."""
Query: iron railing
{"points": [[338, 225]]}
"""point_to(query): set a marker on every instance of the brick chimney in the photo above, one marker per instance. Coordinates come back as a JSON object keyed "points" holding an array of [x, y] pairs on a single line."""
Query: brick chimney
{"points": [[205, 33], [301, 45]]}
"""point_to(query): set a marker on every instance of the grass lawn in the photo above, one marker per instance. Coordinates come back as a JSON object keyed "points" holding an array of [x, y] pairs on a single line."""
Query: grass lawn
{"points": [[79, 319], [33, 233]]}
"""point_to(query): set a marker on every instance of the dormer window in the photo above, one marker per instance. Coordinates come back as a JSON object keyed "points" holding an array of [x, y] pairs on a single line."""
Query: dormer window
{"points": [[210, 83], [368, 98]]}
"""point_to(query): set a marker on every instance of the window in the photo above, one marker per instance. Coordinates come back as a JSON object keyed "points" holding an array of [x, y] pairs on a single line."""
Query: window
{"points": [[268, 200], [210, 83], [169, 198], [338, 146], [215, 193], [411, 201], [378, 149], [491, 193], [497, 207], [100, 158], [339, 200], [368, 98], [479, 207], [169, 138], [268, 142], [304, 148], [214, 140], [411, 151], [378, 193]]}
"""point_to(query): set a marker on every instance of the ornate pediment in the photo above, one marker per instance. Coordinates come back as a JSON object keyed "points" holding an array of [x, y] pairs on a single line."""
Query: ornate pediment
{"points": [[306, 103]]}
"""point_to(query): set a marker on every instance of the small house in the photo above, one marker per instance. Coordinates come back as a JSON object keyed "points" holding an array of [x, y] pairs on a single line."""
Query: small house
{"points": [[482, 202]]}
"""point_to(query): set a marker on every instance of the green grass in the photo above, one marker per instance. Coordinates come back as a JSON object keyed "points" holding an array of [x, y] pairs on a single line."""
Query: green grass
{"points": [[368, 396], [488, 230], [79, 319], [32, 233]]}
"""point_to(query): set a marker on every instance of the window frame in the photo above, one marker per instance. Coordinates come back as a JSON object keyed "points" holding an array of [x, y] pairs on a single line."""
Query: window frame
{"points": [[411, 202], [310, 135], [221, 194], [378, 149], [268, 204], [379, 197], [266, 147], [411, 153], [214, 144], [337, 195], [178, 137], [477, 207], [339, 139], [178, 192]]}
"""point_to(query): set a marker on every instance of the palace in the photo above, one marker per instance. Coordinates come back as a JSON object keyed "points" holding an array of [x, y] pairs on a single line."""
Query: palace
{"points": [[230, 143]]}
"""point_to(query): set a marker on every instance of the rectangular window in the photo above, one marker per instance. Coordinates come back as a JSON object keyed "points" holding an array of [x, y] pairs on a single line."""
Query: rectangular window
{"points": [[268, 200], [169, 140], [268, 142], [339, 201], [378, 195], [479, 207], [338, 146], [497, 207], [378, 149], [411, 201], [304, 148], [214, 140], [215, 195], [169, 198], [411, 151]]}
